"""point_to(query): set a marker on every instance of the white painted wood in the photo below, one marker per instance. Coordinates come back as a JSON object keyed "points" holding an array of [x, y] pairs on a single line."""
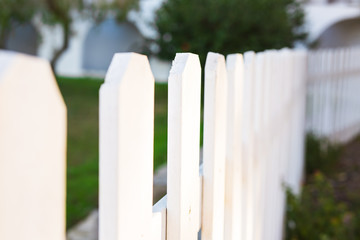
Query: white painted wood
{"points": [[258, 162], [253, 143], [278, 140], [248, 142], [158, 227], [299, 89], [233, 195], [32, 150], [320, 94], [317, 96], [269, 147], [334, 73], [184, 90], [342, 94], [264, 143], [328, 108], [126, 149], [288, 102], [302, 74], [335, 88], [214, 145]]}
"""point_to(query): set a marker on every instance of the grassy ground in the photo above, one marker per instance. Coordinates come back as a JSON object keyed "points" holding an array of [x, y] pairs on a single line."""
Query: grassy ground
{"points": [[81, 98]]}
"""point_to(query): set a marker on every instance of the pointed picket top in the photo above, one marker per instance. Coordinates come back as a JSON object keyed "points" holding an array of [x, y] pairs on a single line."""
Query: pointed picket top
{"points": [[182, 63], [183, 181], [32, 150], [126, 149], [214, 145], [132, 64]]}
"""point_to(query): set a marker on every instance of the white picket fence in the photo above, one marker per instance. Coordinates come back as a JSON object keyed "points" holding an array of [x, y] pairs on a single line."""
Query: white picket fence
{"points": [[253, 147], [253, 143], [32, 150], [333, 94]]}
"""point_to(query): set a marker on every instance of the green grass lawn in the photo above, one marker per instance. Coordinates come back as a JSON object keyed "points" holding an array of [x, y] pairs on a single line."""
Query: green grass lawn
{"points": [[81, 98]]}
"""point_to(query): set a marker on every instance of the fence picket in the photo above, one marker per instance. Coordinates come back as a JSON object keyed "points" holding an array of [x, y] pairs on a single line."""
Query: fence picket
{"points": [[258, 164], [248, 142], [214, 145], [32, 150], [126, 149], [332, 84], [233, 195], [183, 181]]}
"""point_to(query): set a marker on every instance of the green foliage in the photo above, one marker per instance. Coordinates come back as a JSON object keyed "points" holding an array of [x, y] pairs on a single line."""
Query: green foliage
{"points": [[160, 125], [316, 215], [227, 26], [81, 98], [321, 155]]}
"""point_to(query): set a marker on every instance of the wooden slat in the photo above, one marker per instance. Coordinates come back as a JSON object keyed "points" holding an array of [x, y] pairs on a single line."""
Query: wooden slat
{"points": [[126, 149], [259, 164], [183, 148], [32, 150], [233, 196], [248, 143], [265, 146], [214, 146]]}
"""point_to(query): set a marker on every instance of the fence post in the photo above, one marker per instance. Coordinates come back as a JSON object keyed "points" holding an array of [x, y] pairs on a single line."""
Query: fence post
{"points": [[126, 149], [214, 147], [32, 150], [183, 180], [233, 195]]}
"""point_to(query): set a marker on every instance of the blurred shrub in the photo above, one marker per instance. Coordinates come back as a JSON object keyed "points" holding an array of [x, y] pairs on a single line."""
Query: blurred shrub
{"points": [[316, 215], [227, 26], [321, 155]]}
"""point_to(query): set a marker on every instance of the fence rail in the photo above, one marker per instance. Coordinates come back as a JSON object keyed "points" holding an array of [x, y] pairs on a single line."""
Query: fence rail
{"points": [[253, 146]]}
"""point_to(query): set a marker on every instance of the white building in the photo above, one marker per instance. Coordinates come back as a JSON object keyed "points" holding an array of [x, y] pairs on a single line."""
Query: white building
{"points": [[330, 24], [333, 23], [92, 45]]}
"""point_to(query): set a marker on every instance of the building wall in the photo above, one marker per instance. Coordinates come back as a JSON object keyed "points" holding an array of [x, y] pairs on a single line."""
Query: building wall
{"points": [[342, 34], [23, 38]]}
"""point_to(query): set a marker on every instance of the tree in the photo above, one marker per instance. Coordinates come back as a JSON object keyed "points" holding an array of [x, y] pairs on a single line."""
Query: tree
{"points": [[14, 12], [227, 26], [62, 12], [59, 12]]}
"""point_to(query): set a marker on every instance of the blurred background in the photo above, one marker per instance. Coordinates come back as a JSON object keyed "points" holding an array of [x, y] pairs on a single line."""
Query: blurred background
{"points": [[79, 38]]}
